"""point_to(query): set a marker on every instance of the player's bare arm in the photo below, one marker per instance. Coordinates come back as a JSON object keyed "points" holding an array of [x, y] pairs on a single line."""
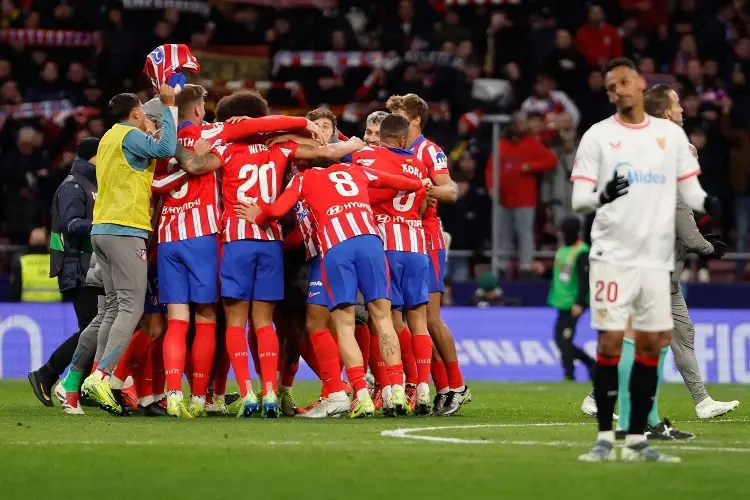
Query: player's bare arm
{"points": [[443, 189], [295, 138], [334, 151], [196, 164]]}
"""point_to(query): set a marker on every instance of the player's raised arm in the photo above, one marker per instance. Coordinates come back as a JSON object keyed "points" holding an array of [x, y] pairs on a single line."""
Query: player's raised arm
{"points": [[334, 151], [585, 178], [195, 163], [240, 127]]}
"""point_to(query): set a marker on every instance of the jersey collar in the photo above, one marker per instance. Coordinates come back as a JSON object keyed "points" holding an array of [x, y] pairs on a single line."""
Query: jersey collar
{"points": [[399, 151], [183, 125], [419, 140]]}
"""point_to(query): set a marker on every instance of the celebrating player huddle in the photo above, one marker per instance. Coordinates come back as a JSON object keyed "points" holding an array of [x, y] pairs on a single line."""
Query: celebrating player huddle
{"points": [[365, 216]]}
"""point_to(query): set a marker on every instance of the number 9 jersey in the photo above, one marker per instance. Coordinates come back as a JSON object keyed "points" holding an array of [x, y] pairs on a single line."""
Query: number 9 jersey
{"points": [[251, 173]]}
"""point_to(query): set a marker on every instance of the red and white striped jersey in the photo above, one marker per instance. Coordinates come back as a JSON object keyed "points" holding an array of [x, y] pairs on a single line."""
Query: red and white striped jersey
{"points": [[306, 223], [252, 173], [396, 212], [338, 199], [436, 162], [193, 209]]}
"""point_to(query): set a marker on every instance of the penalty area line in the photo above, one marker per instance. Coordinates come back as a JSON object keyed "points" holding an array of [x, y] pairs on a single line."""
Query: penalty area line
{"points": [[410, 434]]}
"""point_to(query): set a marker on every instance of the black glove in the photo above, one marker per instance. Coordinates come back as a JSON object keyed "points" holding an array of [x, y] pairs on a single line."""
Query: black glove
{"points": [[720, 248], [616, 187], [711, 206]]}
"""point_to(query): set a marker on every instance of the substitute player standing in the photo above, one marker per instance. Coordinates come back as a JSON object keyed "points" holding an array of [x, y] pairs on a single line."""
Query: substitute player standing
{"points": [[446, 373], [644, 160]]}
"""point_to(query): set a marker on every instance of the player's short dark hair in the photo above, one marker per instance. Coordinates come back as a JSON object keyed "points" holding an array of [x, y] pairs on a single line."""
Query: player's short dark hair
{"points": [[394, 127], [657, 99], [319, 113], [189, 96], [619, 62], [241, 103], [121, 105]]}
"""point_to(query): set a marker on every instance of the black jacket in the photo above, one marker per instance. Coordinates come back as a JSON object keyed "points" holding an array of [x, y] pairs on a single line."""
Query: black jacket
{"points": [[72, 215]]}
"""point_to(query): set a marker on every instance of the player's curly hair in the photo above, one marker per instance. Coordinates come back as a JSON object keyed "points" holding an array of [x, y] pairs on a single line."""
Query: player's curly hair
{"points": [[412, 105], [241, 103]]}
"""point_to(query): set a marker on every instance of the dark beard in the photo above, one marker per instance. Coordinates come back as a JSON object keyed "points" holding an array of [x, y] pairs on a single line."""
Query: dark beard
{"points": [[626, 111]]}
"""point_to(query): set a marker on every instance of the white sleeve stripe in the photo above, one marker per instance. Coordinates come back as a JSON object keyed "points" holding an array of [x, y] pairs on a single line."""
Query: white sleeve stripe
{"points": [[170, 178]]}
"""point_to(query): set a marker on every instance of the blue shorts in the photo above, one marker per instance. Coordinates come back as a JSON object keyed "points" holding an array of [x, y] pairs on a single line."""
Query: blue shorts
{"points": [[316, 292], [409, 272], [189, 270], [152, 304], [437, 270], [253, 270], [355, 263]]}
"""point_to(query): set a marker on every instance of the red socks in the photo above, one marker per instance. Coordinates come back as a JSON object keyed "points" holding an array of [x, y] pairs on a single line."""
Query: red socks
{"points": [[157, 367], [237, 350], [221, 370], [407, 356], [377, 363], [396, 374], [268, 356], [439, 376], [175, 352], [356, 376], [455, 380], [135, 351], [143, 377], [202, 356], [421, 346], [288, 372], [252, 345], [362, 335], [327, 354], [308, 354]]}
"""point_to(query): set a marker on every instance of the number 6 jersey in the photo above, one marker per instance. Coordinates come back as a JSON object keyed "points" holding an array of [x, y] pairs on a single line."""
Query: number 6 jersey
{"points": [[252, 173], [191, 210]]}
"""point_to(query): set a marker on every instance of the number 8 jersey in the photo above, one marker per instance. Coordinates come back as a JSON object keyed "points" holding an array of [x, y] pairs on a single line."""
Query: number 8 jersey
{"points": [[252, 173]]}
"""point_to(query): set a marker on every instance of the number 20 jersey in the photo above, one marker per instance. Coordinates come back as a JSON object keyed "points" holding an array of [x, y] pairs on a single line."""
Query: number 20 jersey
{"points": [[192, 210], [250, 172]]}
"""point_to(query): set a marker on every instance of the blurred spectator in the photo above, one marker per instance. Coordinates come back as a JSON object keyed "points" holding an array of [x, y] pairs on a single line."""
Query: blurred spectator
{"points": [[566, 64], [556, 189], [523, 158], [489, 294], [550, 103], [686, 51], [651, 15], [597, 40], [47, 88], [29, 272], [738, 134]]}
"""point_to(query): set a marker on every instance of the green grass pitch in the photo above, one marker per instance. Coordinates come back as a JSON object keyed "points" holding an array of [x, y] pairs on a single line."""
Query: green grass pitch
{"points": [[515, 441]]}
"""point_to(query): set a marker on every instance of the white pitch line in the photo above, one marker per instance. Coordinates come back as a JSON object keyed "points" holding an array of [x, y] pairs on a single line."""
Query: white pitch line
{"points": [[154, 442], [408, 433]]}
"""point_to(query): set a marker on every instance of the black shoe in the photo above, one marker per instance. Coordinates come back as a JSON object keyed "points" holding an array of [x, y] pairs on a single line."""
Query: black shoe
{"points": [[658, 432], [620, 434], [152, 410], [42, 386], [86, 401], [454, 401], [438, 403], [676, 434], [125, 412], [231, 398]]}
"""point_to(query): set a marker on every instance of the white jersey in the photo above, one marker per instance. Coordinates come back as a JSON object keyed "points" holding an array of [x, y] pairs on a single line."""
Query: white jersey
{"points": [[637, 229]]}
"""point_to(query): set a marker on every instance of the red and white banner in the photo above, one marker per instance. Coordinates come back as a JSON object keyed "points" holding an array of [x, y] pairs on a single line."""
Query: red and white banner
{"points": [[360, 59], [201, 7], [481, 2], [50, 38], [42, 109], [282, 4]]}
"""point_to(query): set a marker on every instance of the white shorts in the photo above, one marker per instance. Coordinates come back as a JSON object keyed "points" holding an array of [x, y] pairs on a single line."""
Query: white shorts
{"points": [[620, 292]]}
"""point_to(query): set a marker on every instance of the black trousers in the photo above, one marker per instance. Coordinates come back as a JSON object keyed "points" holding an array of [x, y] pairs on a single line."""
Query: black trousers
{"points": [[84, 301], [565, 330]]}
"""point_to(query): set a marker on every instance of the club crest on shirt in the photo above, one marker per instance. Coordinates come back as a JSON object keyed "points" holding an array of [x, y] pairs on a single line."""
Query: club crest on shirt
{"points": [[661, 142], [601, 314]]}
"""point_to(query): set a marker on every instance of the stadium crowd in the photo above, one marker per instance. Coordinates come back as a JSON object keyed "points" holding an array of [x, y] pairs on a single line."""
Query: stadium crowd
{"points": [[61, 60]]}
